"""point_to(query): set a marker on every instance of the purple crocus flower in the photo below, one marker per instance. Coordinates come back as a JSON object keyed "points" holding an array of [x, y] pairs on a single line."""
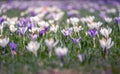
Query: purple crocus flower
{"points": [[30, 25], [13, 47], [67, 32], [46, 28], [42, 32], [28, 19], [1, 20], [22, 30], [117, 19], [33, 37], [32, 13], [76, 41], [92, 32]]}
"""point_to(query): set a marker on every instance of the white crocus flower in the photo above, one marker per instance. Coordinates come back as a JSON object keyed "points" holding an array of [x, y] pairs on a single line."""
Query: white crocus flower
{"points": [[54, 28], [105, 32], [106, 43], [12, 28], [61, 52], [33, 46], [50, 43], [88, 19], [77, 28], [33, 30], [107, 19], [73, 20], [35, 19], [4, 41], [94, 25], [43, 24]]}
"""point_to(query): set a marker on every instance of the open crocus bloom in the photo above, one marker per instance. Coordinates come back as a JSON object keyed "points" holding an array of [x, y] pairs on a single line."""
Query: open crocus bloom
{"points": [[13, 47], [105, 32], [61, 52], [106, 43], [12, 28], [77, 28], [67, 31], [50, 43], [33, 46], [92, 32], [76, 41], [94, 25], [54, 28], [73, 20], [88, 19], [4, 41], [108, 19]]}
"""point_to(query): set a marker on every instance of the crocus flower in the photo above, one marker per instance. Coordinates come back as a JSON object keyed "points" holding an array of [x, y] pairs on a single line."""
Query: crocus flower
{"points": [[33, 37], [22, 30], [108, 19], [67, 32], [76, 41], [50, 44], [80, 57], [12, 28], [88, 19], [13, 47], [33, 46], [77, 28], [105, 32], [33, 30], [4, 41], [1, 20], [117, 20], [61, 52], [106, 44], [94, 25], [42, 32], [92, 33], [73, 20], [54, 28]]}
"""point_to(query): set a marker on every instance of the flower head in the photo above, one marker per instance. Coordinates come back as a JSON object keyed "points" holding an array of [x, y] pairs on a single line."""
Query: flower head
{"points": [[61, 51], [1, 20], [13, 47], [4, 41], [105, 32], [94, 25], [33, 46], [117, 20], [108, 19], [80, 57], [106, 43], [92, 33], [12, 28], [33, 37], [50, 43], [67, 32], [76, 41]]}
